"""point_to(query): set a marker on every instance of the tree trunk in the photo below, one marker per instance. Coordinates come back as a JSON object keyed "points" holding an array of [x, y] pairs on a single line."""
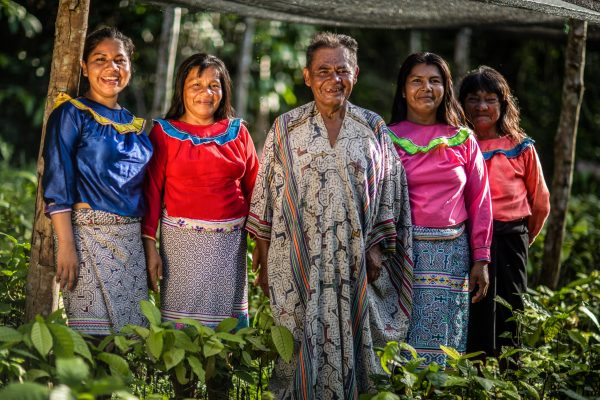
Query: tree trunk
{"points": [[71, 28], [564, 151], [462, 52], [167, 53], [243, 76]]}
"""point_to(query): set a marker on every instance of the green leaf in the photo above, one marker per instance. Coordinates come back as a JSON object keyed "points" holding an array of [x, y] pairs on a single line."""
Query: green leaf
{"points": [[154, 343], [151, 312], [230, 337], [590, 314], [63, 342], [227, 325], [284, 342], [180, 374], [183, 341], [503, 302], [452, 381], [118, 365], [173, 357], [8, 334], [531, 392], [486, 384], [41, 338], [452, 353], [34, 374], [385, 396], [141, 331], [72, 371], [25, 391], [80, 346], [203, 330], [196, 367], [121, 343], [212, 347], [578, 338], [572, 395]]}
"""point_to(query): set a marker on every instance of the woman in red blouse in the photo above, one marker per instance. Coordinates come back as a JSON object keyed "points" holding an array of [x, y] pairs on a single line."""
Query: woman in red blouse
{"points": [[198, 186], [520, 203]]}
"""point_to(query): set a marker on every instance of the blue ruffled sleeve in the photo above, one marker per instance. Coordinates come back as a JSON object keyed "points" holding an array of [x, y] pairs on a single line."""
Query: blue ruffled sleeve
{"points": [[59, 181]]}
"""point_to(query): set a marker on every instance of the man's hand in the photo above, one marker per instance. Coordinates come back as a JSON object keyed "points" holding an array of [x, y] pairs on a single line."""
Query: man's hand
{"points": [[479, 277]]}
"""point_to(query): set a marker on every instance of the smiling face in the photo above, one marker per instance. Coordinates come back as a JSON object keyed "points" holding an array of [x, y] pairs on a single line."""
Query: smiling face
{"points": [[202, 95], [483, 110], [424, 92], [108, 70], [331, 77]]}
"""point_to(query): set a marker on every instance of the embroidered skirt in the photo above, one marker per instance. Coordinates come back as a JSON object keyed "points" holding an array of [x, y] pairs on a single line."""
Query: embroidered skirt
{"points": [[440, 292], [112, 276], [205, 275]]}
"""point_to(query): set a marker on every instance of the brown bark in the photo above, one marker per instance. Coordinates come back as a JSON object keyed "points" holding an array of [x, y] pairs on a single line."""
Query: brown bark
{"points": [[70, 31], [564, 151]]}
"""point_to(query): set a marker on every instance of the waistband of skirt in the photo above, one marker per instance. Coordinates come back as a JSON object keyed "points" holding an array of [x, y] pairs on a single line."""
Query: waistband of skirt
{"points": [[446, 233], [198, 225], [88, 216]]}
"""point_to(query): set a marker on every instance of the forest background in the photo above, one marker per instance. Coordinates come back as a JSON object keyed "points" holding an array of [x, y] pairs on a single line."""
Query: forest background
{"points": [[560, 328]]}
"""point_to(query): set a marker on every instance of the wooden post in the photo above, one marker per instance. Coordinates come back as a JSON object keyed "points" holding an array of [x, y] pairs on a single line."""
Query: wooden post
{"points": [[243, 76], [564, 151], [167, 53], [71, 28]]}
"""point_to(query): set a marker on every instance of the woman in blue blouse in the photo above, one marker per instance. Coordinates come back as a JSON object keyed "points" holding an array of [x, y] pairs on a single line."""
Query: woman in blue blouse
{"points": [[95, 159]]}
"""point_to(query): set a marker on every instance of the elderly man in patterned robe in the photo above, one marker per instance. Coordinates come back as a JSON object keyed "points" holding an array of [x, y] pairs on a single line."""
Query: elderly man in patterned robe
{"points": [[331, 219]]}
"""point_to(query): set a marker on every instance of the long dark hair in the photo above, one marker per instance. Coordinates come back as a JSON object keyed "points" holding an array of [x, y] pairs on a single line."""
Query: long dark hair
{"points": [[487, 79], [449, 112], [202, 61]]}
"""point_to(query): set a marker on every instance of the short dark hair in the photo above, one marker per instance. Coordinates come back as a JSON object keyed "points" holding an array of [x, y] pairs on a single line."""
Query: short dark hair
{"points": [[202, 61], [332, 40], [449, 112], [487, 79], [94, 39]]}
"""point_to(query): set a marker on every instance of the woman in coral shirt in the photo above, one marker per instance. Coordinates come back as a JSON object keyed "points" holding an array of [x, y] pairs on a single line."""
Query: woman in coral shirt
{"points": [[520, 202]]}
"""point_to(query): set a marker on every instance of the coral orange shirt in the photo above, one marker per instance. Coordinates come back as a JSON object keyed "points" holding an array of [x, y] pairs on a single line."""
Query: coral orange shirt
{"points": [[516, 182]]}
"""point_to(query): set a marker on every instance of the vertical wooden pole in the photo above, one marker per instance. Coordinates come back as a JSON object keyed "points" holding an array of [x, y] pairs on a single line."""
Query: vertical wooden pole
{"points": [[70, 32], [167, 53], [243, 77], [564, 151]]}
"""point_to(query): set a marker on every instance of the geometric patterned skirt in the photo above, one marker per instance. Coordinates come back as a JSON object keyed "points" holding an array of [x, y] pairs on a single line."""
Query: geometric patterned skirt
{"points": [[440, 312], [112, 278], [204, 276]]}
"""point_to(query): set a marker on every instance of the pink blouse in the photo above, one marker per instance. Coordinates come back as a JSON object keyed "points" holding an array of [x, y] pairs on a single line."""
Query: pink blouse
{"points": [[516, 182], [447, 183]]}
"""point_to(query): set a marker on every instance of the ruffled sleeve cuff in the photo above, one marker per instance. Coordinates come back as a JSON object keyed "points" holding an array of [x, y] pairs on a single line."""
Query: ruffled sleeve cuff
{"points": [[258, 228], [481, 254]]}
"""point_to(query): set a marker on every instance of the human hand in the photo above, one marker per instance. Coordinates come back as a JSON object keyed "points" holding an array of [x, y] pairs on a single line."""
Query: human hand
{"points": [[259, 265], [374, 263], [479, 277], [67, 266], [154, 264]]}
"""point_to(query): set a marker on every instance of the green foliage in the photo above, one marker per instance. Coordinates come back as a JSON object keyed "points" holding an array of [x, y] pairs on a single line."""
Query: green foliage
{"points": [[560, 356], [580, 248]]}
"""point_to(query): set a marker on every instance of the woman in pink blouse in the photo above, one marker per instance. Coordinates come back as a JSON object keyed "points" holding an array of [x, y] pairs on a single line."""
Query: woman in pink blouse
{"points": [[520, 201], [450, 205]]}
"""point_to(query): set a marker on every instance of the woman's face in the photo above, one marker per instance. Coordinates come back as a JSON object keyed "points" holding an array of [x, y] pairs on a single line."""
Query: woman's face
{"points": [[424, 92], [201, 96], [331, 77], [483, 110], [108, 70]]}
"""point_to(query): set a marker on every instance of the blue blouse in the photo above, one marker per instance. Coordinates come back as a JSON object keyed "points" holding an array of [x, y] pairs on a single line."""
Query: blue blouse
{"points": [[96, 155]]}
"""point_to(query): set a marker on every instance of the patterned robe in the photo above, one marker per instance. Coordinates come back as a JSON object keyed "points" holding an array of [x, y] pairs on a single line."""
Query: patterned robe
{"points": [[322, 207]]}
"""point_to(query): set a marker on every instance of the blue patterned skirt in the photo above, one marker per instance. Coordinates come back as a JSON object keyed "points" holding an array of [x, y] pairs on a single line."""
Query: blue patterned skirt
{"points": [[205, 273], [112, 276], [440, 312]]}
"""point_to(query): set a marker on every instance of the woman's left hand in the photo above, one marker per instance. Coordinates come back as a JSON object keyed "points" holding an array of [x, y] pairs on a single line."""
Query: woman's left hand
{"points": [[479, 277], [374, 263]]}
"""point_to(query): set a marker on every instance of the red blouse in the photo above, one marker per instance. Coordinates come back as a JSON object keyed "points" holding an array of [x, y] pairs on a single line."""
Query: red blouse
{"points": [[203, 172]]}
